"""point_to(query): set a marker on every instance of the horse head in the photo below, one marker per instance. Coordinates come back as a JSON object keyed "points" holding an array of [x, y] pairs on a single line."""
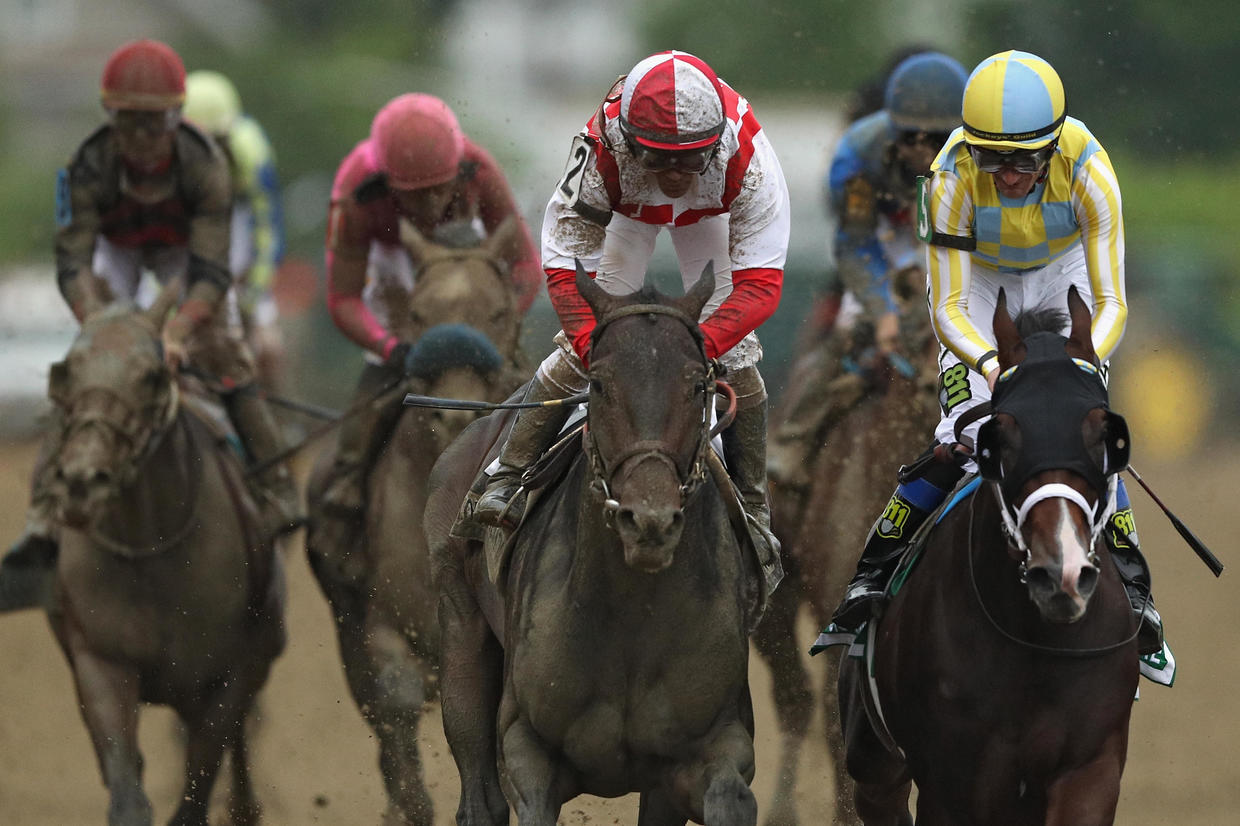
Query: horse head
{"points": [[462, 312], [1051, 451], [114, 394], [651, 387]]}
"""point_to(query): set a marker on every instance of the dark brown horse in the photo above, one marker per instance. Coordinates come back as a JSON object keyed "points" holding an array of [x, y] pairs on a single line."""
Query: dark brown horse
{"points": [[164, 591], [824, 528], [462, 315], [1006, 665], [611, 655]]}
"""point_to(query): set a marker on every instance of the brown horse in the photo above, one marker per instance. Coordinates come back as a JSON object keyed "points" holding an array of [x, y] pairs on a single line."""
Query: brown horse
{"points": [[1006, 665], [462, 315], [165, 592], [824, 528], [611, 654]]}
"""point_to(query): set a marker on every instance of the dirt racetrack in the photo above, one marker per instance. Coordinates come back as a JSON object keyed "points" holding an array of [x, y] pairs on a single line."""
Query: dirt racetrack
{"points": [[315, 761]]}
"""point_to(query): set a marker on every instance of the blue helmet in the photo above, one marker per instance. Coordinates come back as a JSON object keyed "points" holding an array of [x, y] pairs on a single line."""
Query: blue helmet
{"points": [[925, 93]]}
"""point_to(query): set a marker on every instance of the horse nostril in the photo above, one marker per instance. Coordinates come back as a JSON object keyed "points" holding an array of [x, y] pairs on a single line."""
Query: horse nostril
{"points": [[102, 477], [1086, 581], [626, 520], [1040, 581]]}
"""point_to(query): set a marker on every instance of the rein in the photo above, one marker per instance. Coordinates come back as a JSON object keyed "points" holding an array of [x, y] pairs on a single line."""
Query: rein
{"points": [[1081, 653]]}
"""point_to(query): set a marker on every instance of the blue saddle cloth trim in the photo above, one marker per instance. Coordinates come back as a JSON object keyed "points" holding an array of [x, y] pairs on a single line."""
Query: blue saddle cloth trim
{"points": [[962, 494]]}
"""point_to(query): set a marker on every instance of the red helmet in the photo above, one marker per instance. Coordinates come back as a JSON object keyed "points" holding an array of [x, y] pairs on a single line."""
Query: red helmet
{"points": [[144, 74], [672, 100], [417, 141]]}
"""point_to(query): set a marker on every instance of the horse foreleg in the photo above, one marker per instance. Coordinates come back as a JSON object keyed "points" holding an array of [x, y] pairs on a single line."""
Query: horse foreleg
{"points": [[882, 784], [243, 806], [655, 808], [216, 722], [535, 784], [387, 684], [1089, 795], [109, 698], [776, 641], [471, 683], [714, 789], [845, 807]]}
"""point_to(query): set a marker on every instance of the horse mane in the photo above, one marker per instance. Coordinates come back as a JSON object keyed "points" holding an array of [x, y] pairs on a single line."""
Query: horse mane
{"points": [[1048, 320]]}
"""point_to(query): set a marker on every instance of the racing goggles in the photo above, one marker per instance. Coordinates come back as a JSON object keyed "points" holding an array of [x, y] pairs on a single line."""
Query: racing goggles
{"points": [[934, 140], [151, 122], [1021, 160], [684, 160]]}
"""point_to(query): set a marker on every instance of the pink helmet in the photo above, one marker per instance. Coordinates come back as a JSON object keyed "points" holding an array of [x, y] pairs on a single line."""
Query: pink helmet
{"points": [[417, 141], [672, 100]]}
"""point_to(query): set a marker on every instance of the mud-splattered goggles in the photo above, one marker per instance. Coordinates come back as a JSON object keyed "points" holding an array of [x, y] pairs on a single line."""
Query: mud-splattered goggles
{"points": [[1021, 160], [685, 160]]}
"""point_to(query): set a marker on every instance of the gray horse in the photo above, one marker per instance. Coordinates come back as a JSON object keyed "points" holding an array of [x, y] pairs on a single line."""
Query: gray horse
{"points": [[165, 592], [611, 655]]}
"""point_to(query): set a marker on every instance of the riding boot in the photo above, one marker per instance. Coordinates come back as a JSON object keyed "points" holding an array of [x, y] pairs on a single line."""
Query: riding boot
{"points": [[259, 433], [744, 445], [912, 502], [27, 567], [1134, 572], [337, 524], [532, 432]]}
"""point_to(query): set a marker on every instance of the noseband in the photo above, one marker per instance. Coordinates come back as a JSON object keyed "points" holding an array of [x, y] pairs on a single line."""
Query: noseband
{"points": [[605, 470]]}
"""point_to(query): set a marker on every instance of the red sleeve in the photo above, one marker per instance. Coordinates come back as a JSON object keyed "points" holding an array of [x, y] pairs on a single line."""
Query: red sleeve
{"points": [[346, 277], [576, 317], [755, 295], [495, 203]]}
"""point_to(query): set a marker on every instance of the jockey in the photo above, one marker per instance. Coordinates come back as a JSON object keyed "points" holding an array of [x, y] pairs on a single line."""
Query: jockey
{"points": [[147, 191], [417, 164], [671, 148], [257, 232], [1021, 198], [871, 188]]}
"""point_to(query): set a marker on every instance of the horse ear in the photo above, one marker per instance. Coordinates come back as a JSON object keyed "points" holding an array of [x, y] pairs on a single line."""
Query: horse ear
{"points": [[412, 240], [1081, 337], [168, 298], [600, 300], [1010, 345], [700, 292], [502, 243]]}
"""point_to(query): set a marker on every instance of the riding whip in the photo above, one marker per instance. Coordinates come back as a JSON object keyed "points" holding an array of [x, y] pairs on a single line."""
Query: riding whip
{"points": [[1212, 562], [415, 400]]}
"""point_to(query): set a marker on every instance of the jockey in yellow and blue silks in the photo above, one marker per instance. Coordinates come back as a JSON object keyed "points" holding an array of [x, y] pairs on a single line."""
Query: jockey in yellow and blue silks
{"points": [[1020, 198], [257, 220]]}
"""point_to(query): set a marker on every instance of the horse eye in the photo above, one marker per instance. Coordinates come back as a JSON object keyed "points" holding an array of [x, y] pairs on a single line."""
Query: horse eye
{"points": [[596, 386]]}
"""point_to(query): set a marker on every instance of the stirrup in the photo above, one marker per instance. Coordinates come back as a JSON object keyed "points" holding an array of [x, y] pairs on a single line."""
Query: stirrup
{"points": [[498, 506]]}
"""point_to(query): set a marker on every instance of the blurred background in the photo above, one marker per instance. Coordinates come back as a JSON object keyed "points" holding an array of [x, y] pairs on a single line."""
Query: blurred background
{"points": [[1157, 83]]}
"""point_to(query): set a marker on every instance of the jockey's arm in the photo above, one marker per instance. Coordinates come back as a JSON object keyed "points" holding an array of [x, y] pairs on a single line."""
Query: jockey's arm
{"points": [[1096, 201], [950, 273], [496, 203], [77, 214], [348, 249]]}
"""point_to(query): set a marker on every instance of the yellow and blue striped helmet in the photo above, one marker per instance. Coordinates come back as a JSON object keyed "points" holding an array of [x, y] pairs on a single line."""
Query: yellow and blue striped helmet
{"points": [[1013, 100]]}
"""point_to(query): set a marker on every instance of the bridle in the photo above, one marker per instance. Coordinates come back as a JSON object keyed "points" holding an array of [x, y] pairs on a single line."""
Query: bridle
{"points": [[604, 470]]}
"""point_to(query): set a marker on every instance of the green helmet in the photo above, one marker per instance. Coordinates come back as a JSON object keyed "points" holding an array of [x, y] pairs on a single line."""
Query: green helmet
{"points": [[211, 102]]}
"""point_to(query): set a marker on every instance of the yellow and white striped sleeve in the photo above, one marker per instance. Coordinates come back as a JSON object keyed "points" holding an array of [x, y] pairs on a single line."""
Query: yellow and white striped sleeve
{"points": [[1096, 200], [950, 211]]}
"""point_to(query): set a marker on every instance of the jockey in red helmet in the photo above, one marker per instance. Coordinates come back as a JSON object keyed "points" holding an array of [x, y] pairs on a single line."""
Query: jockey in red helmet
{"points": [[672, 148]]}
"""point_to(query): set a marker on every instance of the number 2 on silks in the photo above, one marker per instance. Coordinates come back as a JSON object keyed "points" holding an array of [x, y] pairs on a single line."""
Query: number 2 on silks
{"points": [[570, 184]]}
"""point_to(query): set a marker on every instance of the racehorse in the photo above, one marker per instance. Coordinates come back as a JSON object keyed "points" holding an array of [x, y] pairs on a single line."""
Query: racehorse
{"points": [[462, 315], [823, 529], [1006, 665], [610, 653], [165, 590]]}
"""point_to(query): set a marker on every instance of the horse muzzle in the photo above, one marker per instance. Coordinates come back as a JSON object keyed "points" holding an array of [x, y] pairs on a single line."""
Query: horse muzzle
{"points": [[650, 535], [1060, 594]]}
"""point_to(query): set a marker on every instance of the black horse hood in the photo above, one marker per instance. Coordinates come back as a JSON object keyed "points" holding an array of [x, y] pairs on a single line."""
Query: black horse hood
{"points": [[1049, 394]]}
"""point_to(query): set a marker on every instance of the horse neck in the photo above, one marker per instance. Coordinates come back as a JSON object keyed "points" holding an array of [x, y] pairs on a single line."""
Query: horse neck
{"points": [[157, 505]]}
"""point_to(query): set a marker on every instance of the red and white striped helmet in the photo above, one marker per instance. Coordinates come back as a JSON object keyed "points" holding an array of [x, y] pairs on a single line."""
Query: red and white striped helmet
{"points": [[672, 100]]}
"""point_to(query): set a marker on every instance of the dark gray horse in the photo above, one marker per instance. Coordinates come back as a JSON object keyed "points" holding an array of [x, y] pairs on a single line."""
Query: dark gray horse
{"points": [[611, 656], [165, 592]]}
